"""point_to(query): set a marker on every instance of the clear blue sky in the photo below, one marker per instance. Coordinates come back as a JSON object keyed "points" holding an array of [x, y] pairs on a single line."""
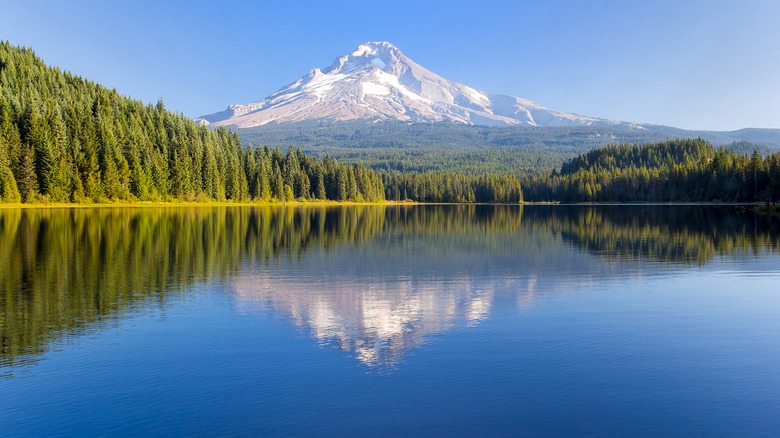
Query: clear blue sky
{"points": [[690, 64]]}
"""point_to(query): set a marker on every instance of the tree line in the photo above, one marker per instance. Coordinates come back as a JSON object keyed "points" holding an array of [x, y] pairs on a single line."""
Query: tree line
{"points": [[678, 170], [452, 188]]}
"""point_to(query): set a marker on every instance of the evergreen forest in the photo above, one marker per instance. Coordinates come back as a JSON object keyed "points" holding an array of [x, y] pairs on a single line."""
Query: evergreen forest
{"points": [[66, 139], [476, 149], [681, 170]]}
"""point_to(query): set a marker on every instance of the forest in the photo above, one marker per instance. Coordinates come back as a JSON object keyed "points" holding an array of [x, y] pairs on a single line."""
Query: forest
{"points": [[452, 188], [681, 170], [475, 149], [66, 139]]}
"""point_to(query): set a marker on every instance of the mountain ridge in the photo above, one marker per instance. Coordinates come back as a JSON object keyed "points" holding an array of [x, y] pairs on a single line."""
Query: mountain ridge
{"points": [[378, 82]]}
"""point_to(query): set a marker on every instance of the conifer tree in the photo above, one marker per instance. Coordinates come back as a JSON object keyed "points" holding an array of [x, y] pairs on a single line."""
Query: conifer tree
{"points": [[262, 182], [351, 184], [28, 180], [232, 186], [182, 171], [59, 182], [211, 176], [111, 182], [320, 181], [9, 192], [277, 185], [288, 193]]}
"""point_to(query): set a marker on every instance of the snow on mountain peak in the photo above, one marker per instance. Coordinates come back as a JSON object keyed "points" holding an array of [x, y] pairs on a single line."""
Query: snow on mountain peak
{"points": [[372, 48], [377, 81], [381, 55]]}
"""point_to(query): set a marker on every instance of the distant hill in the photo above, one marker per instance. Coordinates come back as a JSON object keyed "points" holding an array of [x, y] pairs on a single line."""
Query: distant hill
{"points": [[682, 170], [447, 146], [760, 136]]}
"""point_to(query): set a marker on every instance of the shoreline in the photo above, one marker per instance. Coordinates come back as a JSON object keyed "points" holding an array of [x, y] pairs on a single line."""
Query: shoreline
{"points": [[159, 204], [330, 203]]}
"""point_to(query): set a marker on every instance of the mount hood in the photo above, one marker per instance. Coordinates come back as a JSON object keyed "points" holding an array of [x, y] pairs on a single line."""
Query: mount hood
{"points": [[377, 81]]}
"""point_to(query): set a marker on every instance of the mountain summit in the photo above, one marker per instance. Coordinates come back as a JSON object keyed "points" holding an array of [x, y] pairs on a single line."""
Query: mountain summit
{"points": [[377, 81]]}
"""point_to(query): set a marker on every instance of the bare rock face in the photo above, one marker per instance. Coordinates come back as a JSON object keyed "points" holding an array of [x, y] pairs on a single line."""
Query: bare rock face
{"points": [[377, 82]]}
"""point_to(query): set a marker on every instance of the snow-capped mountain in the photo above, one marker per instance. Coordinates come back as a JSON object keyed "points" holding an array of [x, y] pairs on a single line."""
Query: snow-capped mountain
{"points": [[376, 82]]}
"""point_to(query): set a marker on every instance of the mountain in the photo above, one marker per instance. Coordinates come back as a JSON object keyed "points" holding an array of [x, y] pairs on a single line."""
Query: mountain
{"points": [[378, 82]]}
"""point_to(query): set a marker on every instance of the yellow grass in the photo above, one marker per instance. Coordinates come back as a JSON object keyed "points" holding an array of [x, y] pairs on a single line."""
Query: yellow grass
{"points": [[135, 204]]}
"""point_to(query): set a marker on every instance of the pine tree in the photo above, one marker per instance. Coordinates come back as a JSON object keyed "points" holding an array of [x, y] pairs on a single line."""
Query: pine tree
{"points": [[277, 185], [351, 184], [92, 180], [139, 180], [182, 172], [111, 182], [28, 180], [342, 179], [211, 176], [262, 183], [320, 192], [288, 193], [79, 194], [59, 182], [9, 192], [39, 137], [233, 183], [160, 174], [305, 186]]}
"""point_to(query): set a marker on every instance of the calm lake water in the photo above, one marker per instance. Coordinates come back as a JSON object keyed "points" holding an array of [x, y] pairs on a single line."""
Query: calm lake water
{"points": [[390, 321]]}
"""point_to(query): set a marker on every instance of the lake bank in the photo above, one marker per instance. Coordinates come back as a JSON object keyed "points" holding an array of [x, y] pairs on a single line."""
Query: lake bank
{"points": [[317, 203]]}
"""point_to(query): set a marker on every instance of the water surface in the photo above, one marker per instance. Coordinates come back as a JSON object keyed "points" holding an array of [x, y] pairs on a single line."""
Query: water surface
{"points": [[390, 321]]}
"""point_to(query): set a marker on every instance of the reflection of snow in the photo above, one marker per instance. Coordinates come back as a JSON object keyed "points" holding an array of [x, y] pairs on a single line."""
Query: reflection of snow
{"points": [[377, 322], [383, 319], [478, 310], [322, 319]]}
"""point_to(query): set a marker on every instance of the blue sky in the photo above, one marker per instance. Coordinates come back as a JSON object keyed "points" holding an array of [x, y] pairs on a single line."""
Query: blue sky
{"points": [[690, 64]]}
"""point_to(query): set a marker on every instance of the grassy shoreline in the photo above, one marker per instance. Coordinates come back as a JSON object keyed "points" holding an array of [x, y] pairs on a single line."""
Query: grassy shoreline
{"points": [[146, 204], [328, 203]]}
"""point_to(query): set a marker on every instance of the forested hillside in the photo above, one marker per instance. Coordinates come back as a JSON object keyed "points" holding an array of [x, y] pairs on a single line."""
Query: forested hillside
{"points": [[66, 139], [473, 149], [448, 187], [679, 170], [443, 146]]}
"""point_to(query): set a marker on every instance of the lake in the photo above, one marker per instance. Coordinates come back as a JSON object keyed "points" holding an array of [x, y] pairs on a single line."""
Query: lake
{"points": [[390, 321]]}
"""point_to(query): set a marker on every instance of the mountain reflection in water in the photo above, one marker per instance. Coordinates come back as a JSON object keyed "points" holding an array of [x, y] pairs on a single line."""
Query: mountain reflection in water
{"points": [[372, 280], [377, 322]]}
